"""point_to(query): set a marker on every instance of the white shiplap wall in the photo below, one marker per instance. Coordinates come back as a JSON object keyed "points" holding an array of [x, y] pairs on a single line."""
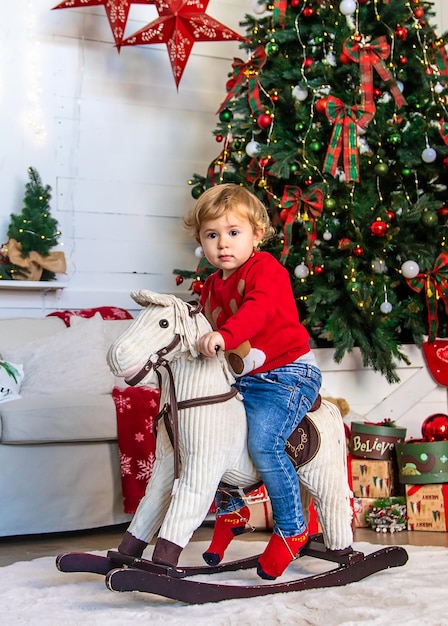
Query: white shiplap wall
{"points": [[114, 139]]}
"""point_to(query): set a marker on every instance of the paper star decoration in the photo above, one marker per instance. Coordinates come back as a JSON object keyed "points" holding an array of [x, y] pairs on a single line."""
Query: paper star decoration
{"points": [[117, 12], [180, 24]]}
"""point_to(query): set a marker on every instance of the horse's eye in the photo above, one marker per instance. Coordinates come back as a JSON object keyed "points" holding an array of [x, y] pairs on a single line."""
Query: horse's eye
{"points": [[164, 323]]}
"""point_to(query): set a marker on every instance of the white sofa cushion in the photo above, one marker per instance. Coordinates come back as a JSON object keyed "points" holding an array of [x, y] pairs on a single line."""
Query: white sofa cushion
{"points": [[73, 359], [59, 418]]}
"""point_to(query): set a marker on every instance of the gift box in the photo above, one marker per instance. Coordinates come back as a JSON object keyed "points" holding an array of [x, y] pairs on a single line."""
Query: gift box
{"points": [[371, 479], [374, 441], [260, 509], [427, 507], [422, 462], [361, 507]]}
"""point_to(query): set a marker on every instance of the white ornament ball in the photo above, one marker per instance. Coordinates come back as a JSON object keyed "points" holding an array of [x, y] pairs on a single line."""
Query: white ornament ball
{"points": [[199, 252], [301, 271], [258, 8], [299, 93], [429, 155], [347, 7], [400, 86], [327, 236], [438, 88], [253, 148], [379, 266], [386, 307], [410, 269]]}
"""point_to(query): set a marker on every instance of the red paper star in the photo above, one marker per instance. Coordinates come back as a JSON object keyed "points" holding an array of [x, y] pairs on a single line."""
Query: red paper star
{"points": [[180, 24], [117, 12]]}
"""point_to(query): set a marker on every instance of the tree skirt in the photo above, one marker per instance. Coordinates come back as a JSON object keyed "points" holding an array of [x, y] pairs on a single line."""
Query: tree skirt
{"points": [[34, 592]]}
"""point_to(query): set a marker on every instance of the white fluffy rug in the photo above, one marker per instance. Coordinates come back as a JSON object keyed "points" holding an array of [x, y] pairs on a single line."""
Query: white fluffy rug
{"points": [[35, 592]]}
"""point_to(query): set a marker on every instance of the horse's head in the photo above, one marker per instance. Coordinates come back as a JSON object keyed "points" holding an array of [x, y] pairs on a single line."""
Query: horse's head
{"points": [[165, 328]]}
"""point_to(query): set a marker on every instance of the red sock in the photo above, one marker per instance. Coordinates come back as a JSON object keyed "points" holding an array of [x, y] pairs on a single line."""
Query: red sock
{"points": [[279, 553], [227, 526]]}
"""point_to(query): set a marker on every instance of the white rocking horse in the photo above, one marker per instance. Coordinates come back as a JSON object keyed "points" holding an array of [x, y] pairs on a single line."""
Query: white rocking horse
{"points": [[202, 440]]}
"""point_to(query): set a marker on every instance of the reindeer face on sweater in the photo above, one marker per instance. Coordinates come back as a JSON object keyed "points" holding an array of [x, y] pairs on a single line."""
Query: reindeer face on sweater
{"points": [[164, 319]]}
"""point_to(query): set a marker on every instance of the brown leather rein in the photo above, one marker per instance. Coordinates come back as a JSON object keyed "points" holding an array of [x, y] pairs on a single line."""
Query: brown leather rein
{"points": [[170, 411]]}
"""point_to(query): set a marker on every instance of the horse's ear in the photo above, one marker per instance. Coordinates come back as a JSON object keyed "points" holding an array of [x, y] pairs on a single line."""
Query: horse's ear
{"points": [[144, 297]]}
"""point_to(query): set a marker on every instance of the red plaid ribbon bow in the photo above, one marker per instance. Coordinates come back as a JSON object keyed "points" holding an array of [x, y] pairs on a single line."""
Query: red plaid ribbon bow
{"points": [[442, 63], [247, 71], [371, 55], [292, 199], [444, 131], [345, 137], [435, 284], [279, 12]]}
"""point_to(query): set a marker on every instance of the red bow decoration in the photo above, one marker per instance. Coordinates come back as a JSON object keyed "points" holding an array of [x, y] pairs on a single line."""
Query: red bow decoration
{"points": [[220, 161], [371, 55], [247, 71], [435, 284], [442, 63], [293, 198], [444, 131], [279, 12], [345, 119]]}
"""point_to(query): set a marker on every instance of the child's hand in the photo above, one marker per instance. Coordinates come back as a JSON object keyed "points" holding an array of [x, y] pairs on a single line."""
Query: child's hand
{"points": [[208, 343]]}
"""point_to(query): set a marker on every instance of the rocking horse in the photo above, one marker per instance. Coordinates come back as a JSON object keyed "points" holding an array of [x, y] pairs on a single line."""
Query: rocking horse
{"points": [[201, 446]]}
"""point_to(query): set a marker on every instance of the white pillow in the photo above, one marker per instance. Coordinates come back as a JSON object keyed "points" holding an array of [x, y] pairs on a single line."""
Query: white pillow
{"points": [[11, 376], [71, 360]]}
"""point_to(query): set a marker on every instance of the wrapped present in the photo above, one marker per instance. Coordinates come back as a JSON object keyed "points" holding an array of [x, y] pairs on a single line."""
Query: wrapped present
{"points": [[375, 441], [361, 508], [260, 509], [427, 507], [422, 462], [371, 479]]}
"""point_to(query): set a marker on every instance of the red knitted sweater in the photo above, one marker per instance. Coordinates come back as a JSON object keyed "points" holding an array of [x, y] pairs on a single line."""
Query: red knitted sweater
{"points": [[255, 311]]}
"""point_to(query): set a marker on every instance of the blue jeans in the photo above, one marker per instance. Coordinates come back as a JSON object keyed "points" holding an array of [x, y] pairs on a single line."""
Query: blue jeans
{"points": [[275, 403]]}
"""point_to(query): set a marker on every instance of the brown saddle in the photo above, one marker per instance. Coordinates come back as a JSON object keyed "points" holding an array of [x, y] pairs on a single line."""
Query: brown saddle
{"points": [[303, 444]]}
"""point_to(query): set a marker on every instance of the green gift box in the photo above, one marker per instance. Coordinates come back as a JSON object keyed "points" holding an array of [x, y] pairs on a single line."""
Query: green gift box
{"points": [[374, 441], [422, 462]]}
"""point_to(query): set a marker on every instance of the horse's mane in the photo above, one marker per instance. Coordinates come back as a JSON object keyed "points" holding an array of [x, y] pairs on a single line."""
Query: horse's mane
{"points": [[190, 323]]}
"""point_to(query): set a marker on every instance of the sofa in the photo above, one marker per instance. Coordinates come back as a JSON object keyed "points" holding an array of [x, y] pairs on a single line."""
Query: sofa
{"points": [[59, 459]]}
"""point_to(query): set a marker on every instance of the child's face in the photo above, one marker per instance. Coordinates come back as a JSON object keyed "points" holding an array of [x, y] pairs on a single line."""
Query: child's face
{"points": [[228, 241]]}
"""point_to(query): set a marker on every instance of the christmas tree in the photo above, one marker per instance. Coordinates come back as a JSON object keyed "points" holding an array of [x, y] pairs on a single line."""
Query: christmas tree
{"points": [[338, 121], [32, 234]]}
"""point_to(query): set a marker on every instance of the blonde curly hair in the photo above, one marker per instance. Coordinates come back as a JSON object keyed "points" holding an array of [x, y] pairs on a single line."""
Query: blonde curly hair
{"points": [[221, 199]]}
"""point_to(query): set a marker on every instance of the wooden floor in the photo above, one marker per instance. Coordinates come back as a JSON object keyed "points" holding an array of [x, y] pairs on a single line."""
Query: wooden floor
{"points": [[27, 548]]}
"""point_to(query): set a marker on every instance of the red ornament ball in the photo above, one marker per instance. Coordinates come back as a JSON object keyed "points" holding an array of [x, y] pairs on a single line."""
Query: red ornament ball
{"points": [[419, 13], [401, 33], [390, 215], [363, 2], [219, 138], [435, 427], [318, 269], [321, 105], [264, 161], [308, 62], [264, 120], [402, 60], [179, 280], [197, 286], [358, 251], [378, 228], [445, 163], [309, 11], [295, 4], [442, 212]]}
